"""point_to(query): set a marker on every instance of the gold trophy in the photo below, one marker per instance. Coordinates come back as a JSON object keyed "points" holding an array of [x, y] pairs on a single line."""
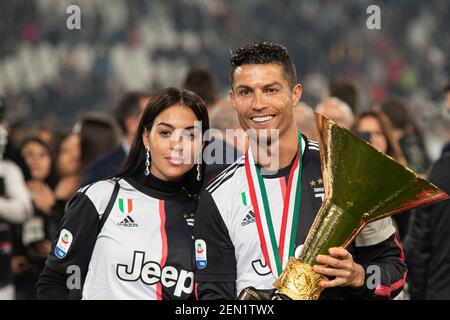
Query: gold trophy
{"points": [[362, 185]]}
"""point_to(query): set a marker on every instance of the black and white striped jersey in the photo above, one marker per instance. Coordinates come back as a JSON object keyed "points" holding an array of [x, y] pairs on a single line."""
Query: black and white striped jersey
{"points": [[226, 229], [144, 249]]}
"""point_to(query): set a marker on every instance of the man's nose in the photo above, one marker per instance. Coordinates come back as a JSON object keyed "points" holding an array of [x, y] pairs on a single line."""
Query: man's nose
{"points": [[258, 103]]}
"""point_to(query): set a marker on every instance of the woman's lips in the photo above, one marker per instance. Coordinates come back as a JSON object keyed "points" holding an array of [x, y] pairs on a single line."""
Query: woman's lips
{"points": [[177, 161]]}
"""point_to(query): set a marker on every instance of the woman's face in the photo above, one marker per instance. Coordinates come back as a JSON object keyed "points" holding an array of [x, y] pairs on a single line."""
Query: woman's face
{"points": [[174, 143], [371, 125], [38, 160], [69, 156]]}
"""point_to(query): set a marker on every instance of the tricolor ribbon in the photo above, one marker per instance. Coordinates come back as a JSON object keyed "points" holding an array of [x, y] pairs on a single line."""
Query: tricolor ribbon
{"points": [[274, 249]]}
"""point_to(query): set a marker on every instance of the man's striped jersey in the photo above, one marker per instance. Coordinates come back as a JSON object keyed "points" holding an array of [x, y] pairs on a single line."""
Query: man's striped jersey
{"points": [[227, 230], [143, 251]]}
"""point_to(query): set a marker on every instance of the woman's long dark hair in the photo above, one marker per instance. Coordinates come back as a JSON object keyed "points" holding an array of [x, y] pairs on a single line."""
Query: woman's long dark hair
{"points": [[159, 101]]}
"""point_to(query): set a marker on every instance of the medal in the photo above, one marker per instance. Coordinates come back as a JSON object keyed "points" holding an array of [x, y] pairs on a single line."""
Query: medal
{"points": [[274, 249]]}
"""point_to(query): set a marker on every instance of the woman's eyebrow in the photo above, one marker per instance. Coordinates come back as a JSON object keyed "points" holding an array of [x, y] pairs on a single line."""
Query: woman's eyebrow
{"points": [[172, 127]]}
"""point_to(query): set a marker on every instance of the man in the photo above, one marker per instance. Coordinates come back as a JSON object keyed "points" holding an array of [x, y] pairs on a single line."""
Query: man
{"points": [[237, 246], [128, 115], [337, 110]]}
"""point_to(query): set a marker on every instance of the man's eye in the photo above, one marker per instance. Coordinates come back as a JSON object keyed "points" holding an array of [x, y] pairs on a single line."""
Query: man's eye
{"points": [[271, 90], [244, 92]]}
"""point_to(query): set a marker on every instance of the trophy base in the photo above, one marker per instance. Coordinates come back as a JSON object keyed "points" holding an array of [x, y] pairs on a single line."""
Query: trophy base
{"points": [[299, 282], [251, 293]]}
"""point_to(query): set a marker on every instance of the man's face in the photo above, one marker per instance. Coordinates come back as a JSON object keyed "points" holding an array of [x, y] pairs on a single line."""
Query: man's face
{"points": [[263, 98]]}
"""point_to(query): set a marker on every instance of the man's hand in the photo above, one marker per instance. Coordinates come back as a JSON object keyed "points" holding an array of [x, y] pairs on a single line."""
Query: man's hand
{"points": [[340, 264]]}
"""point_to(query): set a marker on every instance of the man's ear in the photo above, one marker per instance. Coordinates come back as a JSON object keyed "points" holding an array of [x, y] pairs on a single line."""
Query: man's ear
{"points": [[296, 93]]}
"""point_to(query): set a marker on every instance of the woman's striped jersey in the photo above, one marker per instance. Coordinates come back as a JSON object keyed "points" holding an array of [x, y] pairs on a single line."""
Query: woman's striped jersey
{"points": [[144, 249]]}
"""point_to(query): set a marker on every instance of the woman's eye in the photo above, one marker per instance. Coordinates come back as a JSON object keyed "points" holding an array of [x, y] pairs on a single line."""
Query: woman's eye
{"points": [[164, 133]]}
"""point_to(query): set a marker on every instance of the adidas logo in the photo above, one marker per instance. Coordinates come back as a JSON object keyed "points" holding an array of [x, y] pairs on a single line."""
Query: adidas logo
{"points": [[128, 222], [249, 218]]}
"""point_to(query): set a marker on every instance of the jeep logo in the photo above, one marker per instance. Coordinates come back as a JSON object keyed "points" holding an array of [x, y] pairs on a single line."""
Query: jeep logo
{"points": [[151, 273]]}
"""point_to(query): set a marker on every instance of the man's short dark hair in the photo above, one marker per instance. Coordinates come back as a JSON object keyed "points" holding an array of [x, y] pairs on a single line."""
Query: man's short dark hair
{"points": [[202, 82], [264, 53], [346, 91], [129, 106]]}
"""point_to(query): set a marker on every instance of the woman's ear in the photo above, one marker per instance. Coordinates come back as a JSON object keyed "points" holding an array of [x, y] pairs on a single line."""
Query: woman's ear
{"points": [[145, 137]]}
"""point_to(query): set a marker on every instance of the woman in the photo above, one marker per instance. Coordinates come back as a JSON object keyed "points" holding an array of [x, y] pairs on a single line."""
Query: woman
{"points": [[33, 238], [407, 133], [375, 127], [132, 235]]}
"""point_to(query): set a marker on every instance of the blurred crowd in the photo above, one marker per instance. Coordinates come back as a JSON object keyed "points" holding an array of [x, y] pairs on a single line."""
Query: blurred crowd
{"points": [[74, 97], [55, 74]]}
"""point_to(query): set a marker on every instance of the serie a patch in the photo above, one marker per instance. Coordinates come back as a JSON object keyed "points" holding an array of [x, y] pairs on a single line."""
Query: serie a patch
{"points": [[64, 243], [200, 254]]}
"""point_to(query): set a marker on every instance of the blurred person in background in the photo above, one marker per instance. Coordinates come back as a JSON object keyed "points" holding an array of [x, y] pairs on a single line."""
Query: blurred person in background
{"points": [[98, 136], [223, 149], [408, 134], [346, 91], [375, 128], [337, 110], [127, 114], [306, 121], [11, 150], [15, 208], [68, 166], [47, 132], [446, 114], [203, 83], [427, 246], [33, 238]]}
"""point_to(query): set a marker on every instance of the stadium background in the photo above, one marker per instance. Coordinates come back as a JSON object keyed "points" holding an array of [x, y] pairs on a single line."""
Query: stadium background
{"points": [[53, 75]]}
